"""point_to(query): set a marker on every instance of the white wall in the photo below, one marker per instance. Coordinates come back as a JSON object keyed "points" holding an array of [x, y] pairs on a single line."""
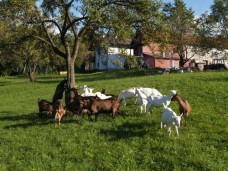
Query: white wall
{"points": [[111, 60], [208, 56]]}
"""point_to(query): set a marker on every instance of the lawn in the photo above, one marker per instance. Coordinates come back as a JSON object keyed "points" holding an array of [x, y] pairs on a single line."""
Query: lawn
{"points": [[134, 142]]}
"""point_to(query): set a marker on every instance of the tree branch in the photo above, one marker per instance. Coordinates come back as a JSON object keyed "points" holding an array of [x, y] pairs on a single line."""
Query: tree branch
{"points": [[75, 21], [54, 47], [54, 22]]}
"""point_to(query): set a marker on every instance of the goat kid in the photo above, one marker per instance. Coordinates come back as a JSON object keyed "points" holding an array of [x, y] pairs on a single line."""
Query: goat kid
{"points": [[169, 118], [60, 111], [141, 100]]}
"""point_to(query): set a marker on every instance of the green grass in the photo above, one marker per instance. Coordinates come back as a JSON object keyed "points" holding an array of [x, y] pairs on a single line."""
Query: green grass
{"points": [[135, 142]]}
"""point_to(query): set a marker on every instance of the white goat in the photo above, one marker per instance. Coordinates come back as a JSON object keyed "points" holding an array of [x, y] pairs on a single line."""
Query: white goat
{"points": [[169, 118], [89, 92], [160, 101], [142, 94], [126, 94], [102, 96], [150, 91], [141, 100]]}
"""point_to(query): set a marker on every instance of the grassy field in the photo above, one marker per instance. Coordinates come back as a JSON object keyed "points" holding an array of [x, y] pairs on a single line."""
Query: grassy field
{"points": [[135, 142]]}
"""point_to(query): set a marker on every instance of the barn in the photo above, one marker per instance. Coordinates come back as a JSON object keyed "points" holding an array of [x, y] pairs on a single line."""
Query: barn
{"points": [[154, 56]]}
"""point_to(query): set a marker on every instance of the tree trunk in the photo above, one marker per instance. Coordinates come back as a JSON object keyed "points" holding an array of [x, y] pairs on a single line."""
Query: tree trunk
{"points": [[31, 75], [181, 63], [70, 81], [72, 74]]}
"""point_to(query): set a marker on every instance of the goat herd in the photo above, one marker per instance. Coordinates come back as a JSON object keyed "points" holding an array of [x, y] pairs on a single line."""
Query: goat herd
{"points": [[95, 103]]}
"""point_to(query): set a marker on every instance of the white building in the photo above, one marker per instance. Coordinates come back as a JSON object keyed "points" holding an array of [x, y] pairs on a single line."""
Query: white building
{"points": [[213, 56], [113, 58]]}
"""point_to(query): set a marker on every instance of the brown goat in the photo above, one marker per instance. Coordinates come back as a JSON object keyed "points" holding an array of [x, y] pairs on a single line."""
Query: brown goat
{"points": [[184, 106], [52, 108], [60, 111], [74, 102], [96, 106], [78, 102], [59, 91], [45, 106]]}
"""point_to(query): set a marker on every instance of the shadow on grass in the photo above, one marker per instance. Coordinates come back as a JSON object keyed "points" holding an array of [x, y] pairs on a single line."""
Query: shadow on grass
{"points": [[30, 120], [84, 77], [128, 130], [52, 79], [48, 81], [92, 76], [3, 83], [109, 75]]}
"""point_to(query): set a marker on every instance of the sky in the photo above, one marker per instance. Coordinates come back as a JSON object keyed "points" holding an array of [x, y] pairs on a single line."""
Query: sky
{"points": [[198, 6]]}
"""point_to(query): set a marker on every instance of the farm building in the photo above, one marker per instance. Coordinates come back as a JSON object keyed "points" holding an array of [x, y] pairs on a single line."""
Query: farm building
{"points": [[114, 57], [154, 56], [210, 58]]}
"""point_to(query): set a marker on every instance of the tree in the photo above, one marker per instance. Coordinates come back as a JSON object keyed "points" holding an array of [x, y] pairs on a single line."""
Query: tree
{"points": [[91, 19], [16, 21], [219, 17], [181, 26], [212, 27]]}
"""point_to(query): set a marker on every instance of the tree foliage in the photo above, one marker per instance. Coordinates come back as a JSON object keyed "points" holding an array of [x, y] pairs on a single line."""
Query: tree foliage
{"points": [[212, 27], [219, 18], [16, 22], [181, 26]]}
